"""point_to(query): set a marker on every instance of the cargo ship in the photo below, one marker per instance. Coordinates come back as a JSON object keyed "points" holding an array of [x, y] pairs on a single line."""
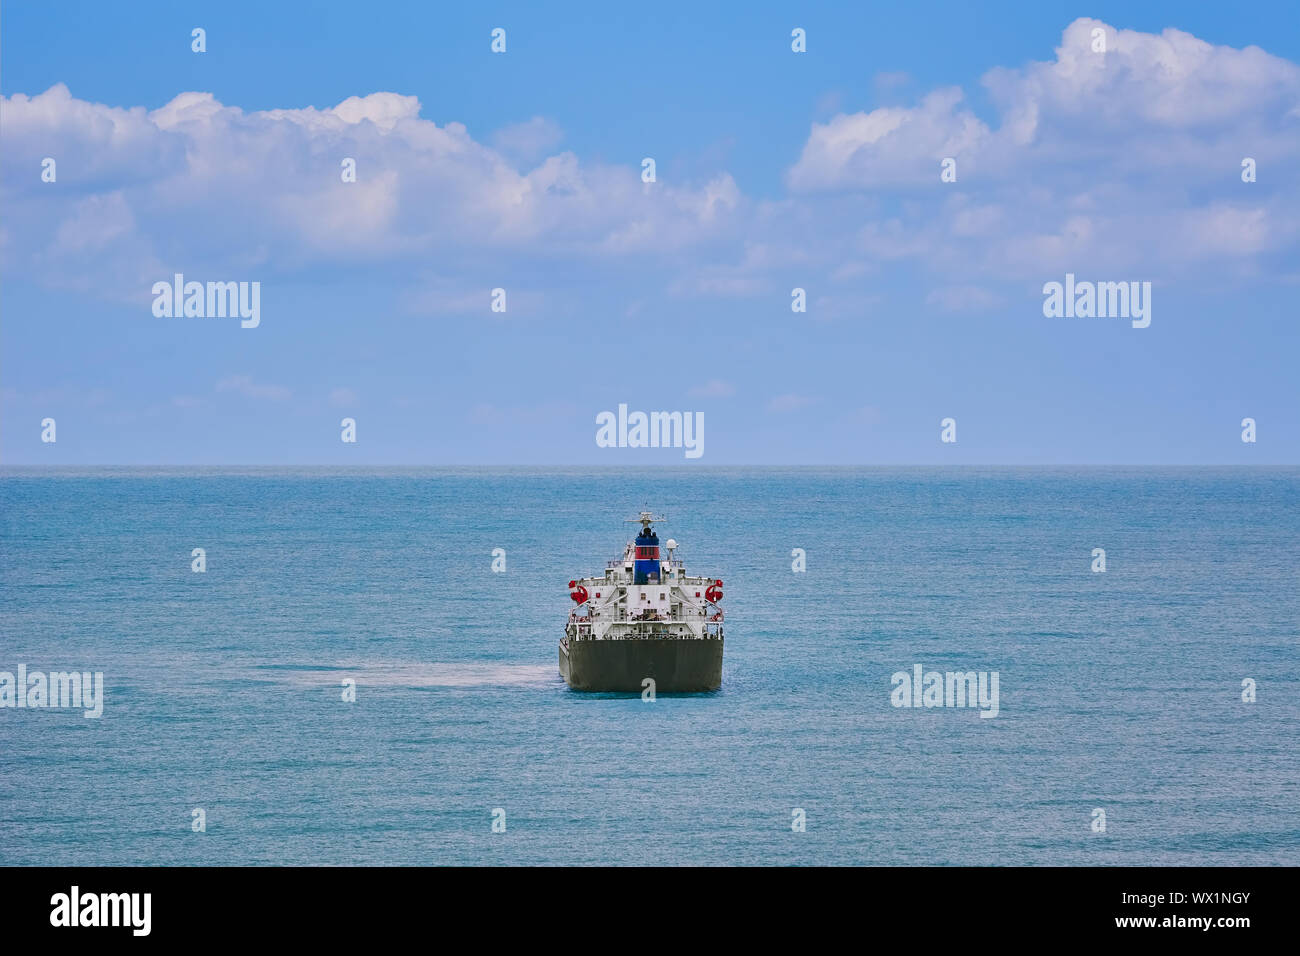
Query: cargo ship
{"points": [[645, 623]]}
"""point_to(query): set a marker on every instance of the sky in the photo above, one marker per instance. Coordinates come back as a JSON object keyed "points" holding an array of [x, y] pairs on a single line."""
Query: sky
{"points": [[775, 170]]}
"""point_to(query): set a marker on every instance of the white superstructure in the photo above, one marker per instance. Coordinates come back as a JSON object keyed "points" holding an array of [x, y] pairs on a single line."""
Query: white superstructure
{"points": [[642, 596]]}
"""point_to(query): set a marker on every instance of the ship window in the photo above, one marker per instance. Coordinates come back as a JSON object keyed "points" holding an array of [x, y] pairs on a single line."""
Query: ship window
{"points": [[661, 595]]}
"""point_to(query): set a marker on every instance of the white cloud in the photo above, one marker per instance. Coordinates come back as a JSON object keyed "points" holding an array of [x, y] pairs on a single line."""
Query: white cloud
{"points": [[200, 186], [889, 145], [1126, 161], [1149, 104], [529, 140]]}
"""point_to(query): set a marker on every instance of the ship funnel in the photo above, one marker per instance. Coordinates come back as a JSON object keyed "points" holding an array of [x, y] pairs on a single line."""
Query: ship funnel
{"points": [[645, 569]]}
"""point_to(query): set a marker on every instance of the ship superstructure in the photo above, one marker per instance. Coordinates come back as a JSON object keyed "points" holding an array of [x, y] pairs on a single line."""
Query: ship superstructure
{"points": [[645, 617]]}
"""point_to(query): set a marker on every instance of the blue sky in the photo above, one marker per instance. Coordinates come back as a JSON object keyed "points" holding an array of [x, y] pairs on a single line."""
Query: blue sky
{"points": [[774, 170]]}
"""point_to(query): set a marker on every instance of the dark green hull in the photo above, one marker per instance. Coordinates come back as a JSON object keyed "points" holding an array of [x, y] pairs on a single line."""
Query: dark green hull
{"points": [[676, 665]]}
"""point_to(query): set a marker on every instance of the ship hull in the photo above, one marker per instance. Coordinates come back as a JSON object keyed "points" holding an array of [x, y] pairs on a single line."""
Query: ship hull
{"points": [[677, 665]]}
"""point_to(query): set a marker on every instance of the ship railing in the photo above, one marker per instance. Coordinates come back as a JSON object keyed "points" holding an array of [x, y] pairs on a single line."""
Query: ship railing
{"points": [[711, 632]]}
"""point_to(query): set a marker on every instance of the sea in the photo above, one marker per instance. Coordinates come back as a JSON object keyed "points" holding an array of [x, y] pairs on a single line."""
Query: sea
{"points": [[1147, 714]]}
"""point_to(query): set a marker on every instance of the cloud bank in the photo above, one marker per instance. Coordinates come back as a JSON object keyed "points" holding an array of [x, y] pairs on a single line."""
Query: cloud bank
{"points": [[1127, 159]]}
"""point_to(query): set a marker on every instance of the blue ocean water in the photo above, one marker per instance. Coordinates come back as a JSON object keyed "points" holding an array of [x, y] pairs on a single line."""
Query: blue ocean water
{"points": [[1118, 690]]}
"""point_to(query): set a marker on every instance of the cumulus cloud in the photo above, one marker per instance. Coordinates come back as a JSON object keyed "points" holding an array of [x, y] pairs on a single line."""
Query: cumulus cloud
{"points": [[529, 140], [199, 185], [1096, 159], [889, 145], [1149, 103], [1123, 160]]}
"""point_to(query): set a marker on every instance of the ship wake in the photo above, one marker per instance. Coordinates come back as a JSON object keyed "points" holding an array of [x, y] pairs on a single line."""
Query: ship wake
{"points": [[450, 674]]}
